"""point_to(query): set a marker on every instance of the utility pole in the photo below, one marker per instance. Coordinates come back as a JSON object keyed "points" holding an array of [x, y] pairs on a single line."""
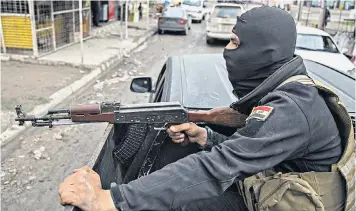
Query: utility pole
{"points": [[300, 8], [126, 17], [81, 32], [322, 16], [148, 14], [121, 19]]}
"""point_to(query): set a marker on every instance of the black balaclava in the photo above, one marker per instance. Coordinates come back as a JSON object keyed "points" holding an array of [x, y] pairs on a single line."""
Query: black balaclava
{"points": [[267, 41]]}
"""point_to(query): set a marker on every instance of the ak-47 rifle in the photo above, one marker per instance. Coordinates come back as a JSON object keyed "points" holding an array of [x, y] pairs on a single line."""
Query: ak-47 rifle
{"points": [[147, 113], [160, 115]]}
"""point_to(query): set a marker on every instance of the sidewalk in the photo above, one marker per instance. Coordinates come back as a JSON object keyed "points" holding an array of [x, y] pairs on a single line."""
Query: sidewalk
{"points": [[105, 46], [43, 83]]}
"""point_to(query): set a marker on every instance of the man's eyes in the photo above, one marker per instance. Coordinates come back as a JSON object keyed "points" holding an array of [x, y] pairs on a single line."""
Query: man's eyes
{"points": [[234, 41]]}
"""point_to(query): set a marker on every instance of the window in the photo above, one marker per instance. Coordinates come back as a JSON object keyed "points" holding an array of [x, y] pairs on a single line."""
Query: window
{"points": [[159, 85], [184, 14], [315, 43], [226, 12], [159, 92], [173, 12], [160, 76]]}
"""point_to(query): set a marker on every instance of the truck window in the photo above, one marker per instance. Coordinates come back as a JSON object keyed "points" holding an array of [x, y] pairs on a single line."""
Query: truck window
{"points": [[159, 92], [159, 85], [173, 12], [160, 76], [226, 12]]}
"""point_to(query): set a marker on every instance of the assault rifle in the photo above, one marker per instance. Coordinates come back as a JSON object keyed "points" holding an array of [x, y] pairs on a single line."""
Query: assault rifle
{"points": [[147, 113], [161, 115]]}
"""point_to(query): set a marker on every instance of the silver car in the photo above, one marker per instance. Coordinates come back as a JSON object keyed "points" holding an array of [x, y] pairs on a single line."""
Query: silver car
{"points": [[174, 19]]}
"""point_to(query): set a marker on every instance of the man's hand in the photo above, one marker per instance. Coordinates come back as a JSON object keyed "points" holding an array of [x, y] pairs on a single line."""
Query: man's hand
{"points": [[194, 133], [83, 189]]}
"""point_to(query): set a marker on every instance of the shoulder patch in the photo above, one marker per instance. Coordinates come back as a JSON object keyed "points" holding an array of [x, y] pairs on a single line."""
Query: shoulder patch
{"points": [[260, 112]]}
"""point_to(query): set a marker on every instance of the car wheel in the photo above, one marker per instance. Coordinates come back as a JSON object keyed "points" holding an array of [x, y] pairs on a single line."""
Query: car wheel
{"points": [[210, 40], [160, 31]]}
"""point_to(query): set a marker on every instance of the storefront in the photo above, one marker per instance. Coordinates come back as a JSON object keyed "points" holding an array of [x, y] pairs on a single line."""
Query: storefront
{"points": [[39, 27]]}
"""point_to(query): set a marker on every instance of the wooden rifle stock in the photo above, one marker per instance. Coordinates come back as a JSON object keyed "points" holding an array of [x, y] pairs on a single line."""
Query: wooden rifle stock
{"points": [[224, 116]]}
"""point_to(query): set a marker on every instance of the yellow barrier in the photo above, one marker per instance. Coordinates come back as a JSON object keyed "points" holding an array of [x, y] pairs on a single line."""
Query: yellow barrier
{"points": [[17, 31]]}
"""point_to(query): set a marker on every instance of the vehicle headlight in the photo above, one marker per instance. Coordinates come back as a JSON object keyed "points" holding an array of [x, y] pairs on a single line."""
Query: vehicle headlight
{"points": [[200, 11]]}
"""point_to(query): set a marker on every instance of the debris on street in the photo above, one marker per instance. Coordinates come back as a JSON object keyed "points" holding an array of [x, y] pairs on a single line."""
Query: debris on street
{"points": [[58, 136], [38, 152]]}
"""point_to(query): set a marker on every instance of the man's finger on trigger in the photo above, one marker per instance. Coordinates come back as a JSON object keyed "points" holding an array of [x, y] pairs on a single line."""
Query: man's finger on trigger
{"points": [[171, 133], [180, 128]]}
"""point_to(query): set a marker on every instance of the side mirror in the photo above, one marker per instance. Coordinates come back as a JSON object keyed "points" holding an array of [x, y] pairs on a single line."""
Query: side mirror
{"points": [[141, 85], [344, 50], [204, 5]]}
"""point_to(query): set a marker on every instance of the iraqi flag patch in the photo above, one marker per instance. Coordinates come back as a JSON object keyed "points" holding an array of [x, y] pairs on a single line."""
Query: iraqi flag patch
{"points": [[260, 112]]}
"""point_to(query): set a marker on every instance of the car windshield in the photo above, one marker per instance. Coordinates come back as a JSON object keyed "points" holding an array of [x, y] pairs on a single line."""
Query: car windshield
{"points": [[226, 12], [173, 12], [315, 43], [192, 3]]}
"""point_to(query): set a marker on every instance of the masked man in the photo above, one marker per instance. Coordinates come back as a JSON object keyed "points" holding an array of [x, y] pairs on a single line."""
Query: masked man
{"points": [[294, 153]]}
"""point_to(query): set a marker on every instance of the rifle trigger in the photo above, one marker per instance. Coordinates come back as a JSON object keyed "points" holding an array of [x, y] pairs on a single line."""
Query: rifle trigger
{"points": [[161, 128]]}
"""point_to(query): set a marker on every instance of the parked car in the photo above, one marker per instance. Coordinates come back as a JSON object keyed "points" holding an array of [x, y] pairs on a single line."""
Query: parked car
{"points": [[174, 19], [184, 79], [317, 45], [221, 21], [196, 9]]}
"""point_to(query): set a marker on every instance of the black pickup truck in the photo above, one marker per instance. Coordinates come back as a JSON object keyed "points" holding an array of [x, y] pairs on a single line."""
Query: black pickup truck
{"points": [[197, 82]]}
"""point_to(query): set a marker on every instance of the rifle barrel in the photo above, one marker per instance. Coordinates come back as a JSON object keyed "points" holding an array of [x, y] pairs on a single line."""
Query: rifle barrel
{"points": [[34, 118]]}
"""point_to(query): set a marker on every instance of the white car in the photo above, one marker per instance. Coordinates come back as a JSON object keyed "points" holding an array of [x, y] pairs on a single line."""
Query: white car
{"points": [[318, 46], [221, 21], [195, 8]]}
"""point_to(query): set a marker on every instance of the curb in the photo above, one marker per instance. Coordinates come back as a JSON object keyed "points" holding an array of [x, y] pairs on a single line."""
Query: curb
{"points": [[30, 59], [62, 94]]}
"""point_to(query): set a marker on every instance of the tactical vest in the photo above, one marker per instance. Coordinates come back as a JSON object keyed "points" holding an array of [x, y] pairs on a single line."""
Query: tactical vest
{"points": [[319, 191]]}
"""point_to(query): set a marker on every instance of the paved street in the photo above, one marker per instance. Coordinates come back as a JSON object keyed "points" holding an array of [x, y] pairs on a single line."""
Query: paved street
{"points": [[34, 164]]}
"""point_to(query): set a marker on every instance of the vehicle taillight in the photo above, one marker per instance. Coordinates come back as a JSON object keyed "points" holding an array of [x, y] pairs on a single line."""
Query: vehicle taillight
{"points": [[182, 22]]}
